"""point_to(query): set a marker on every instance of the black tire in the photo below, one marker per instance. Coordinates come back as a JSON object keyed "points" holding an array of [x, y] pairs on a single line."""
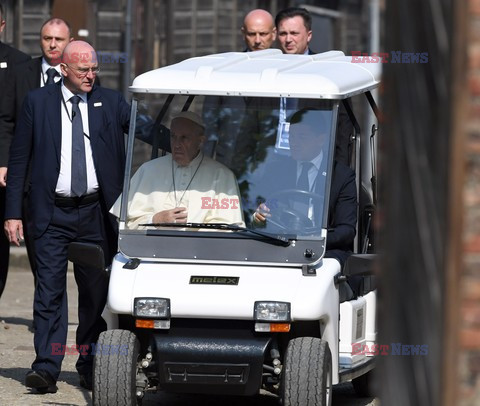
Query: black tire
{"points": [[363, 385], [307, 373], [115, 369]]}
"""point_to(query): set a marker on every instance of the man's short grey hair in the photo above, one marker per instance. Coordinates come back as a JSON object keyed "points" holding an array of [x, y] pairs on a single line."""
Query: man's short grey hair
{"points": [[56, 20]]}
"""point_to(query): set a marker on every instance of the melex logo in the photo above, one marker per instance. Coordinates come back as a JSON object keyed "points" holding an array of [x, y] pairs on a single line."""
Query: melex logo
{"points": [[214, 280]]}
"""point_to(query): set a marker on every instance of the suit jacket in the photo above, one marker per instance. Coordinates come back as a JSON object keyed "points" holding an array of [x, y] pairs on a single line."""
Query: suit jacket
{"points": [[343, 144], [38, 138], [342, 206], [25, 79], [10, 58]]}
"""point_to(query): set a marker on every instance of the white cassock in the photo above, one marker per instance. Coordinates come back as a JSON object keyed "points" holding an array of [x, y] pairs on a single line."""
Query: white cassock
{"points": [[205, 187]]}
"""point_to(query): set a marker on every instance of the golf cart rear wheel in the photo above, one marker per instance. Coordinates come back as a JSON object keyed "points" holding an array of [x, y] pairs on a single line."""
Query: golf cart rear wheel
{"points": [[307, 373], [115, 369]]}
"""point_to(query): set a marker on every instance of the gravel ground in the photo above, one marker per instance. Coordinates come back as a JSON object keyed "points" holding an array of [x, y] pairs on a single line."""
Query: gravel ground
{"points": [[17, 354]]}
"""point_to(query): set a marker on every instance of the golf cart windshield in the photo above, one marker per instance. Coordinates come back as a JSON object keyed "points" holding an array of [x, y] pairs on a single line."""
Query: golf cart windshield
{"points": [[251, 158], [248, 179]]}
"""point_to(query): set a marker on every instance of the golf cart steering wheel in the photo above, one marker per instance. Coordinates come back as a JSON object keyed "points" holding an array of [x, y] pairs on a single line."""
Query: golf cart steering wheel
{"points": [[286, 218]]}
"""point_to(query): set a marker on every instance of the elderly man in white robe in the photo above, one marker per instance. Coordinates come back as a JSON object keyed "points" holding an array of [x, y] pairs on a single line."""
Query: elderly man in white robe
{"points": [[184, 186]]}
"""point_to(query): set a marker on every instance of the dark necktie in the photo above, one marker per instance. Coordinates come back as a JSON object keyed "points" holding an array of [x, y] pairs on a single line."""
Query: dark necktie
{"points": [[79, 167], [51, 74]]}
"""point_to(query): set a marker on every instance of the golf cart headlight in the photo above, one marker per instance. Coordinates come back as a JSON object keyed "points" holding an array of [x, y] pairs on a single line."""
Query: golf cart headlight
{"points": [[272, 311], [152, 307]]}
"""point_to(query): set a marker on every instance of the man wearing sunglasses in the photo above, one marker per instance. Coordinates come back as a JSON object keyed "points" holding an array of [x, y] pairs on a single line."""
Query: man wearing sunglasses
{"points": [[72, 136]]}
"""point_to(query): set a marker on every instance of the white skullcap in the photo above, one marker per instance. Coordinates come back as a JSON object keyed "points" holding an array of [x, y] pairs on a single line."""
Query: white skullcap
{"points": [[190, 115]]}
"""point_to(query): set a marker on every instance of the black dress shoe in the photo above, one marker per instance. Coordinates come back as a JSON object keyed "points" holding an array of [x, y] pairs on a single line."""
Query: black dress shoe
{"points": [[86, 381], [41, 380]]}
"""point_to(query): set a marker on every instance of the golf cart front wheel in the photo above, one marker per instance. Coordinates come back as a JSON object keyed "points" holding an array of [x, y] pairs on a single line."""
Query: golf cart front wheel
{"points": [[307, 373], [115, 369]]}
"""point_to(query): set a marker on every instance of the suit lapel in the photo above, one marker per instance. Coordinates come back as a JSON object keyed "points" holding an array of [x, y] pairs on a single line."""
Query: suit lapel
{"points": [[33, 79], [321, 177], [53, 104], [3, 52], [95, 116], [4, 63]]}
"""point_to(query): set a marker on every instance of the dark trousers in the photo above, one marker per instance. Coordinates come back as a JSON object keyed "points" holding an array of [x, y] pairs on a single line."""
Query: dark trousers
{"points": [[4, 245], [68, 224]]}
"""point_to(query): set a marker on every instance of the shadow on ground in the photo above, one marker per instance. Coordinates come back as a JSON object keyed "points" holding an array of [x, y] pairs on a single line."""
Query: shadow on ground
{"points": [[18, 321]]}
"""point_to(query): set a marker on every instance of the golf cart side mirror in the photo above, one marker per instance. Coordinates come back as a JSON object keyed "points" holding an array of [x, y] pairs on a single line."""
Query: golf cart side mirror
{"points": [[87, 255], [360, 265]]}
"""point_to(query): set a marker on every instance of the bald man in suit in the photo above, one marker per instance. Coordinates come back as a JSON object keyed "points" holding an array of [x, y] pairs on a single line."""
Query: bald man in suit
{"points": [[72, 135]]}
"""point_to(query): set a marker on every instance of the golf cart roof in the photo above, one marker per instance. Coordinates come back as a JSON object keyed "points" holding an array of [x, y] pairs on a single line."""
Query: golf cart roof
{"points": [[268, 73]]}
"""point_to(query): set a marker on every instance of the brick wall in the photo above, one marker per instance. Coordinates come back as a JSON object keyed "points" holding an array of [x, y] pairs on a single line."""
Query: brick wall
{"points": [[469, 357]]}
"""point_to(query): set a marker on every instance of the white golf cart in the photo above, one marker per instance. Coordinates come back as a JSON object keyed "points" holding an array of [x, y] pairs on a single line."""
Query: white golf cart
{"points": [[235, 308]]}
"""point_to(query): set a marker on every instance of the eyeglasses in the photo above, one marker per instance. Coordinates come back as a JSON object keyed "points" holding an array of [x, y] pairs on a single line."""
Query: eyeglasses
{"points": [[82, 72]]}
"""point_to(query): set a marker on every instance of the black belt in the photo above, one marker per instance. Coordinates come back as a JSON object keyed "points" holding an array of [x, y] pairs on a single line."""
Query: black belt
{"points": [[67, 201]]}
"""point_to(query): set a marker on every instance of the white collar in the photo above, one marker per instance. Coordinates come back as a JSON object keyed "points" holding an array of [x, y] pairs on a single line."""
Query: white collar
{"points": [[193, 163], [46, 66], [67, 94], [316, 162]]}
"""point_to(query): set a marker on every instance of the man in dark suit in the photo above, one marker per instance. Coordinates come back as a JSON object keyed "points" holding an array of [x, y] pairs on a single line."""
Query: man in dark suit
{"points": [[9, 59], [294, 32], [55, 34], [306, 171], [72, 134]]}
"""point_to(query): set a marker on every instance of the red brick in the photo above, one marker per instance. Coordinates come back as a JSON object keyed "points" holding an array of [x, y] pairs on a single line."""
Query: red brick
{"points": [[474, 56], [470, 288], [471, 265], [475, 6], [470, 338], [474, 84], [471, 315]]}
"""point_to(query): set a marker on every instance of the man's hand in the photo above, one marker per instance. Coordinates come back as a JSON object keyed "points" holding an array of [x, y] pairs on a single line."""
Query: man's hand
{"points": [[3, 176], [176, 215], [261, 214], [14, 231]]}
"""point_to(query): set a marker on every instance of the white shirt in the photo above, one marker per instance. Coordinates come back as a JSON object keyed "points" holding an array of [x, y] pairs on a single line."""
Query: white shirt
{"points": [[44, 76], [210, 197], [65, 176]]}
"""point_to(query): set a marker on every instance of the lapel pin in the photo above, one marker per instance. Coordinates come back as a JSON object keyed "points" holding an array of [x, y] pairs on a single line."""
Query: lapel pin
{"points": [[3, 65], [97, 104]]}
